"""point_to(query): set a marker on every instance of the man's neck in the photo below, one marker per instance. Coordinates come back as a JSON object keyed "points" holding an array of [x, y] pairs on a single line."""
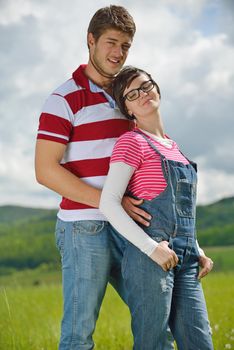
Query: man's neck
{"points": [[97, 78]]}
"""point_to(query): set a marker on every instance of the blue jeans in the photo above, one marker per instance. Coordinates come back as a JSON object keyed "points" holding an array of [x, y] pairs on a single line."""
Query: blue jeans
{"points": [[89, 260], [157, 298]]}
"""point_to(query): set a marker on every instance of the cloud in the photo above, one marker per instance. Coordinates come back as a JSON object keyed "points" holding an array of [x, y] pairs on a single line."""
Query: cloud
{"points": [[195, 72], [214, 185], [186, 45]]}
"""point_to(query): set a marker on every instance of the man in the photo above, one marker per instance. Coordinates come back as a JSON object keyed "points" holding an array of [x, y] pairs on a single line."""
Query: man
{"points": [[78, 127]]}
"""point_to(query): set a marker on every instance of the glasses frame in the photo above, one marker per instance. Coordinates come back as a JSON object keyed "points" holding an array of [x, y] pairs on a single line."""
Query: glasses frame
{"points": [[125, 97]]}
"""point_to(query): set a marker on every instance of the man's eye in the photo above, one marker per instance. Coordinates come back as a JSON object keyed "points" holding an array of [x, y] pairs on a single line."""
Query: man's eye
{"points": [[125, 48]]}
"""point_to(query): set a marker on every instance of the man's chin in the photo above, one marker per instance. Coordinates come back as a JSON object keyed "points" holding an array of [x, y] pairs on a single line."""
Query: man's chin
{"points": [[114, 69]]}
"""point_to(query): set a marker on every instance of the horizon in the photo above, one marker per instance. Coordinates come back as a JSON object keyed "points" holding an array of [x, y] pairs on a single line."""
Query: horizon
{"points": [[54, 208]]}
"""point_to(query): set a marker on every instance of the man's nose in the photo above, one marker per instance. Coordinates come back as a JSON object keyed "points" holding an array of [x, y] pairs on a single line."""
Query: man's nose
{"points": [[118, 51]]}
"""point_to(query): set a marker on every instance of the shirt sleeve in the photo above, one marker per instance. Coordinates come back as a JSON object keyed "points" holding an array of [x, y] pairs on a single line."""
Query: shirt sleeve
{"points": [[110, 204], [200, 250], [55, 123], [128, 150]]}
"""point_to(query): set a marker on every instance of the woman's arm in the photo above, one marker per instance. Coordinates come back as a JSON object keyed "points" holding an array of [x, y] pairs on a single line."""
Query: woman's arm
{"points": [[200, 250], [206, 264], [110, 204]]}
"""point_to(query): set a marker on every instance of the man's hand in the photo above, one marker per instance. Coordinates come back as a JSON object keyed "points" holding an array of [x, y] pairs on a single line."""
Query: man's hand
{"points": [[130, 205], [206, 266], [164, 256]]}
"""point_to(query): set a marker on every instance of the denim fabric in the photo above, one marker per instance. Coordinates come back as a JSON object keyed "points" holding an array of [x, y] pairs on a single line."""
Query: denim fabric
{"points": [[89, 260], [157, 298]]}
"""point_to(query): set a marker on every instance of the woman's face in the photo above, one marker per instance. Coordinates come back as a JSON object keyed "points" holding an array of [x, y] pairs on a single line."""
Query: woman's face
{"points": [[141, 97]]}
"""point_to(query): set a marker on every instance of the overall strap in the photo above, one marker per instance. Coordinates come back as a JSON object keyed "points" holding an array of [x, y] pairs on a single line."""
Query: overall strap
{"points": [[165, 165], [194, 165], [150, 143]]}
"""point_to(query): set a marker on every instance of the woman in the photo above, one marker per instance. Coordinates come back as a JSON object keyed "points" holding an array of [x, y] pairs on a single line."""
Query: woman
{"points": [[161, 262]]}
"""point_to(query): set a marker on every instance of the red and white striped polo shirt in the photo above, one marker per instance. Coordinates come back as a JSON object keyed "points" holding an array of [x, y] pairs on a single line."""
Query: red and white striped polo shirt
{"points": [[148, 180], [80, 115]]}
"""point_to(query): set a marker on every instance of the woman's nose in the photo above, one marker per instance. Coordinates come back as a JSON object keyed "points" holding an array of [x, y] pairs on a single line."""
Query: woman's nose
{"points": [[142, 92]]}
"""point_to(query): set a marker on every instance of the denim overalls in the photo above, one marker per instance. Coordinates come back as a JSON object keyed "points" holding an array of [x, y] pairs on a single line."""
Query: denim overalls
{"points": [[156, 297]]}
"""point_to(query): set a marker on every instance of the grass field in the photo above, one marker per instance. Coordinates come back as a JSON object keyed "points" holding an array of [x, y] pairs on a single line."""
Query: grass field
{"points": [[31, 307]]}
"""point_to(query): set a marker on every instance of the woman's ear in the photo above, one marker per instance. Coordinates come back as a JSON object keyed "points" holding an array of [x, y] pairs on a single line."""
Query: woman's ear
{"points": [[131, 115], [130, 112]]}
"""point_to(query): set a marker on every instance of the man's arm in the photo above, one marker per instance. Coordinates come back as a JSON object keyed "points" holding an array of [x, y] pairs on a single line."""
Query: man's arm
{"points": [[50, 173]]}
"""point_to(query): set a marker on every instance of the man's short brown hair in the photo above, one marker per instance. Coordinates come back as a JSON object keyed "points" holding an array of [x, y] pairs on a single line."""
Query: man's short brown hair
{"points": [[111, 17]]}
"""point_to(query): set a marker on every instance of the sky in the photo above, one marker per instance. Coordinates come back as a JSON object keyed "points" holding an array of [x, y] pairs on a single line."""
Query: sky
{"points": [[187, 46]]}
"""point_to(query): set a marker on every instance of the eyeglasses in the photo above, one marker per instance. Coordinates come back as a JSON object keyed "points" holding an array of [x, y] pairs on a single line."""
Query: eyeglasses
{"points": [[132, 95]]}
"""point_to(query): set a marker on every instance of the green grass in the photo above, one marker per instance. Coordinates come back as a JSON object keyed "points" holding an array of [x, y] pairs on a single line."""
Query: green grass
{"points": [[223, 258], [31, 309], [219, 292], [30, 319], [30, 316]]}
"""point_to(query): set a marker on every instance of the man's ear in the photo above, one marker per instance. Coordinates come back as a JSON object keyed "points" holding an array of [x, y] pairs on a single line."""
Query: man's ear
{"points": [[90, 40]]}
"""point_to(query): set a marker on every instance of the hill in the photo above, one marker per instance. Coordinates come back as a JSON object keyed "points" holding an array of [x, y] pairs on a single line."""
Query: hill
{"points": [[215, 223], [11, 214], [216, 214], [220, 213], [27, 234]]}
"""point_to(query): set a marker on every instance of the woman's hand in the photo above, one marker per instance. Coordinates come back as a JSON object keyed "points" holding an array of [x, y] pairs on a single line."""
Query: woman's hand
{"points": [[206, 266], [130, 205], [164, 256]]}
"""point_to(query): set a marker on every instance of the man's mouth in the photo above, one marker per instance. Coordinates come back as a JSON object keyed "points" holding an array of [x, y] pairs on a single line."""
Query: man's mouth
{"points": [[113, 60]]}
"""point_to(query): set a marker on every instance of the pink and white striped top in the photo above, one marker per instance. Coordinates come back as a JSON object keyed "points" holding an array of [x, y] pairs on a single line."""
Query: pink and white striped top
{"points": [[148, 180]]}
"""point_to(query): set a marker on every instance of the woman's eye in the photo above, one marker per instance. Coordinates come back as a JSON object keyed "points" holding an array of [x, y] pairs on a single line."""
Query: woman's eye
{"points": [[132, 94], [146, 85]]}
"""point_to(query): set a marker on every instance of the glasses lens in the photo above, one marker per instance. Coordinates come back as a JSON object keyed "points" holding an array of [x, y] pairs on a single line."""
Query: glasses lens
{"points": [[147, 86], [132, 95]]}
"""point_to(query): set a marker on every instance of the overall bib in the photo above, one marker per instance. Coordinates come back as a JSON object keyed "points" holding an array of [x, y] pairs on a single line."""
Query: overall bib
{"points": [[157, 298]]}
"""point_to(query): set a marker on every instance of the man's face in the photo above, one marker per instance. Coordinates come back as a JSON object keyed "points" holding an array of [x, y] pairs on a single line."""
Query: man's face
{"points": [[110, 51]]}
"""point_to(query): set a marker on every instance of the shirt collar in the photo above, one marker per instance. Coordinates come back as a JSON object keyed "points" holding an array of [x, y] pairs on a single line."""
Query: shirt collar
{"points": [[81, 79], [94, 88]]}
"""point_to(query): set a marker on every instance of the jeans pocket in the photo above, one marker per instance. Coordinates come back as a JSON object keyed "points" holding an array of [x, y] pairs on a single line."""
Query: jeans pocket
{"points": [[159, 235], [89, 227], [158, 239], [185, 198]]}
